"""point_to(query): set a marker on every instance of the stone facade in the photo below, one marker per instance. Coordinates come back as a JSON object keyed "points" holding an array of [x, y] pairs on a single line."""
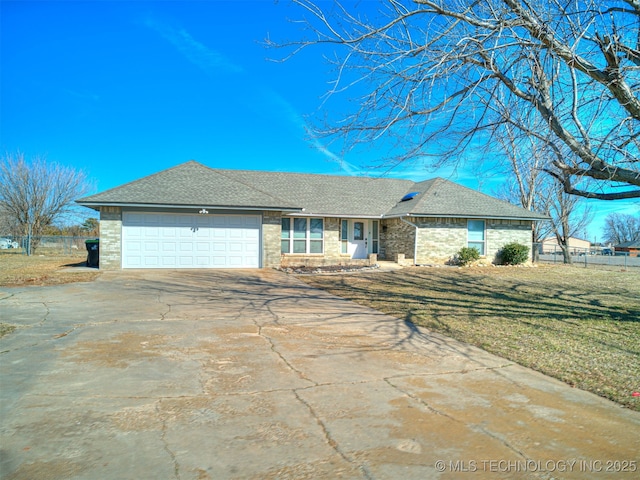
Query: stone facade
{"points": [[439, 239], [397, 238], [110, 238], [501, 232], [271, 229]]}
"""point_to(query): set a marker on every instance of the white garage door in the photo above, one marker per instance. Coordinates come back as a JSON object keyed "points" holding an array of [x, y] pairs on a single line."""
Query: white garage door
{"points": [[153, 240]]}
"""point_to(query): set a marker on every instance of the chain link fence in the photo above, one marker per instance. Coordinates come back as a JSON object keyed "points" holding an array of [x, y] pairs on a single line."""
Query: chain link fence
{"points": [[587, 257], [44, 245]]}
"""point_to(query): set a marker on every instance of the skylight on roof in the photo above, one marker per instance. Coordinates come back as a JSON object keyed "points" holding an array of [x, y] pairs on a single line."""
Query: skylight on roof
{"points": [[409, 196]]}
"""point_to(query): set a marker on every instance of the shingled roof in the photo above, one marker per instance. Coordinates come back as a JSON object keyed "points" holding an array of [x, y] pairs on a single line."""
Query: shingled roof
{"points": [[192, 184], [441, 198]]}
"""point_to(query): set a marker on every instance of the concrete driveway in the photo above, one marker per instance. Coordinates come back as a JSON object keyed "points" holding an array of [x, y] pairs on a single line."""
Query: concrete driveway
{"points": [[254, 375]]}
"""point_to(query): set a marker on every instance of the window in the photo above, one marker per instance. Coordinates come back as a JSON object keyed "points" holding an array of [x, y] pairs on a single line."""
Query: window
{"points": [[299, 235], [344, 236], [374, 236], [302, 235], [285, 236], [358, 231], [316, 234], [475, 235]]}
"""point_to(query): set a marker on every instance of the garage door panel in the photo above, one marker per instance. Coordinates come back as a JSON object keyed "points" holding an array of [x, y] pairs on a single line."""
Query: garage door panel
{"points": [[169, 233], [185, 262], [203, 247], [235, 247], [135, 261], [151, 261], [151, 246], [169, 247], [185, 247], [235, 261], [219, 247], [190, 241], [168, 262]]}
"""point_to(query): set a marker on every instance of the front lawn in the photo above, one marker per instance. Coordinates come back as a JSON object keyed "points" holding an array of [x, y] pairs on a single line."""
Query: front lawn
{"points": [[579, 325], [17, 269]]}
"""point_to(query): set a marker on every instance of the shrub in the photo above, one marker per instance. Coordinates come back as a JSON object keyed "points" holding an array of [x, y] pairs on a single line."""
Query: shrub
{"points": [[467, 255], [514, 254]]}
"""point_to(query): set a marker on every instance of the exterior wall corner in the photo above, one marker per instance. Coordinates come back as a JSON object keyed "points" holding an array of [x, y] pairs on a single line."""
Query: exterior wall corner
{"points": [[271, 232], [110, 238]]}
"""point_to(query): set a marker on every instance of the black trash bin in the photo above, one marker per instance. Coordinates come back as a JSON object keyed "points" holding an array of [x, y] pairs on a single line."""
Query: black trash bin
{"points": [[93, 255]]}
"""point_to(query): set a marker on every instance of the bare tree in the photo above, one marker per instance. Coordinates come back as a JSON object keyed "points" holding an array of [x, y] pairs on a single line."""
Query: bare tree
{"points": [[620, 228], [36, 193], [526, 184], [568, 217], [428, 73]]}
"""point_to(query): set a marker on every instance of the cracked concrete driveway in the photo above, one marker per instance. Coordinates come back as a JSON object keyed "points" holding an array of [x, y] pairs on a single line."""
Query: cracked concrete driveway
{"points": [[252, 374]]}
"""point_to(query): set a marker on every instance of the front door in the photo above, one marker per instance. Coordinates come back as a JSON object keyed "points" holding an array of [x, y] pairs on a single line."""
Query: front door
{"points": [[358, 242]]}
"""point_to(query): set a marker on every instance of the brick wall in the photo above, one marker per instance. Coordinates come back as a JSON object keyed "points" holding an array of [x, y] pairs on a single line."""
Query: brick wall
{"points": [[397, 238], [439, 239], [271, 230], [332, 240], [501, 232], [110, 238]]}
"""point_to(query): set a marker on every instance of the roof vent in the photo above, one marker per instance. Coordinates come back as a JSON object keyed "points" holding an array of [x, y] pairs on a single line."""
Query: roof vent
{"points": [[409, 196]]}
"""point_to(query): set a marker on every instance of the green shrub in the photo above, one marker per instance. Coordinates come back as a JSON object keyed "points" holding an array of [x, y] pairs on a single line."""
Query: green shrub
{"points": [[467, 255], [514, 254]]}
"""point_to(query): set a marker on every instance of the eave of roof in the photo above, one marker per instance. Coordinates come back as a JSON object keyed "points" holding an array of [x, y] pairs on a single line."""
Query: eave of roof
{"points": [[534, 216], [97, 205]]}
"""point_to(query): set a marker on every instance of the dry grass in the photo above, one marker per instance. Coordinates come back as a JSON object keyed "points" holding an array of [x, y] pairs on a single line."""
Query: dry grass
{"points": [[580, 326], [17, 269]]}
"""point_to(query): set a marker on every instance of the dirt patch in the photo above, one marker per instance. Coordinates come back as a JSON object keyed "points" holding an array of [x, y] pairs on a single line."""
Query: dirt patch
{"points": [[327, 269], [6, 328]]}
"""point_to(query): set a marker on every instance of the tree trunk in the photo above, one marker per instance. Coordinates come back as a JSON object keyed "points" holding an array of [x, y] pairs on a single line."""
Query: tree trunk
{"points": [[566, 254]]}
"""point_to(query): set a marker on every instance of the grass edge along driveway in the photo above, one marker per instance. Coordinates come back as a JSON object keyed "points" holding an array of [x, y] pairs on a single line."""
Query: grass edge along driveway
{"points": [[577, 325]]}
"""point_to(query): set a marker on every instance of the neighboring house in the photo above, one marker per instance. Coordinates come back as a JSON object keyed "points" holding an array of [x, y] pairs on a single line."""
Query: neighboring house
{"points": [[576, 246], [631, 249], [193, 216]]}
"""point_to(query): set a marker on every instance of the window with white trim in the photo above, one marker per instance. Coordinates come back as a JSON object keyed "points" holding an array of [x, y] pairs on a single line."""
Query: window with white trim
{"points": [[344, 236], [302, 235], [475, 235], [375, 236]]}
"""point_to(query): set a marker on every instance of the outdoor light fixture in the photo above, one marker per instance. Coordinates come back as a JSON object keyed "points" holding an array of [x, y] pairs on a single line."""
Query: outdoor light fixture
{"points": [[203, 211]]}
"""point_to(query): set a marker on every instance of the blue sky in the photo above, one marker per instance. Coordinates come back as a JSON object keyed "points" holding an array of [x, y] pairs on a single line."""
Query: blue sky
{"points": [[123, 89]]}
